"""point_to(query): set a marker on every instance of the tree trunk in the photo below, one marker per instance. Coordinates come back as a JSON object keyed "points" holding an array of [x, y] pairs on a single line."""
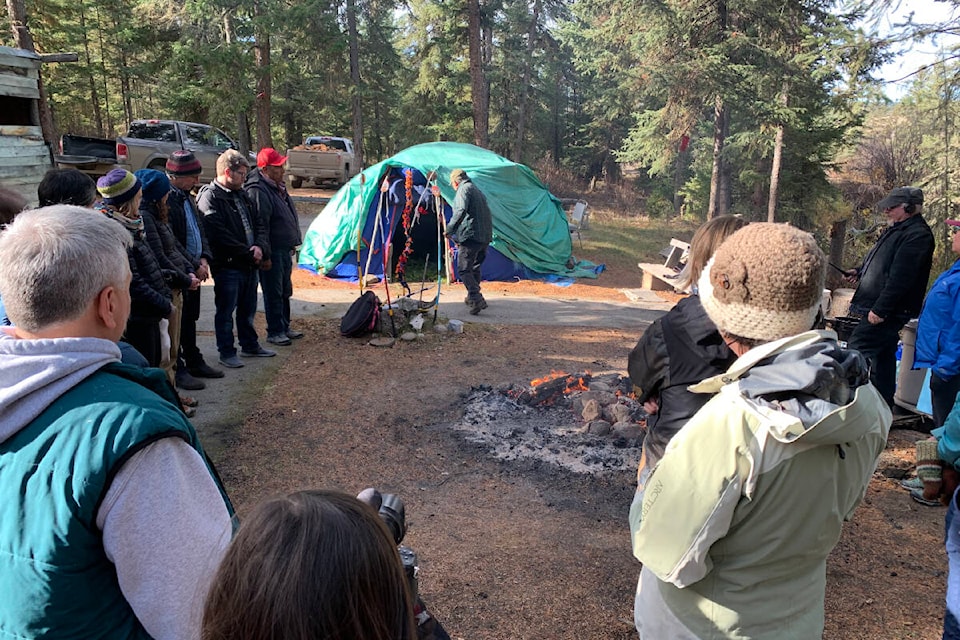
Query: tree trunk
{"points": [[777, 160], [838, 235], [88, 71], [717, 204], [355, 80], [23, 39], [264, 94], [525, 83], [478, 82]]}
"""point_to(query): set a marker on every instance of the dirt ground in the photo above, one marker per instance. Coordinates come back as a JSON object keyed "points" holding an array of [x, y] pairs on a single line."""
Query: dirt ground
{"points": [[526, 549]]}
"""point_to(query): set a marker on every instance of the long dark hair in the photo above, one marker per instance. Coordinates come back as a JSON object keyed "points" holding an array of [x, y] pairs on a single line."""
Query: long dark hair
{"points": [[307, 566]]}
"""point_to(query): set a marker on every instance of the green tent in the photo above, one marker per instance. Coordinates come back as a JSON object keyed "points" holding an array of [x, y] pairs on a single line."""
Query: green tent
{"points": [[531, 235]]}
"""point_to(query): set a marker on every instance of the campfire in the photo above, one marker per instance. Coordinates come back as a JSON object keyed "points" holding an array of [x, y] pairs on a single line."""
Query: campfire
{"points": [[580, 421]]}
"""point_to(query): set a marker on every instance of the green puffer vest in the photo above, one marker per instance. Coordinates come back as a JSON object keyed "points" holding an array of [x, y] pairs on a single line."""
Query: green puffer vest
{"points": [[55, 578]]}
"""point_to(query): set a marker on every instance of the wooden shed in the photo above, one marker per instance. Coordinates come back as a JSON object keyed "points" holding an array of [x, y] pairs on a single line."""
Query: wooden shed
{"points": [[24, 157]]}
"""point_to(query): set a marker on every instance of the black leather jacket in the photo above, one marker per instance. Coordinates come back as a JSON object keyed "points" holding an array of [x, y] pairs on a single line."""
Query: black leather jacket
{"points": [[894, 274], [678, 350]]}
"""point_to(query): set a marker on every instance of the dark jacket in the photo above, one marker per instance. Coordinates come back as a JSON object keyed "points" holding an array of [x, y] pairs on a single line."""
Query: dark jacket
{"points": [[150, 297], [176, 203], [894, 274], [471, 220], [679, 349], [173, 259], [276, 210], [222, 210]]}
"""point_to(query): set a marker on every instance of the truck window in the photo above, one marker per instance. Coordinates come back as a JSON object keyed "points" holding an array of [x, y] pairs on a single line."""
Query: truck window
{"points": [[197, 135], [221, 140], [331, 143], [159, 131]]}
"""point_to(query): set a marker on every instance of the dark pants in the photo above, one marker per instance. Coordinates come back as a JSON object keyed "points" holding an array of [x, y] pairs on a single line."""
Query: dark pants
{"points": [[878, 344], [235, 290], [277, 287], [189, 352], [943, 393], [470, 257], [143, 334]]}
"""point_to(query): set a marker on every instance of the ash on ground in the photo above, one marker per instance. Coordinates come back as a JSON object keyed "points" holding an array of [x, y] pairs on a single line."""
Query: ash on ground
{"points": [[593, 429]]}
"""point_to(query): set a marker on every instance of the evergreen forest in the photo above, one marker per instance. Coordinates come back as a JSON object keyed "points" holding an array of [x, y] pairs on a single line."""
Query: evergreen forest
{"points": [[769, 109]]}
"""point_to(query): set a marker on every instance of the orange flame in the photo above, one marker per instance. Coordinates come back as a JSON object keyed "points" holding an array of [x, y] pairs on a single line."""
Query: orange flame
{"points": [[575, 385], [547, 378]]}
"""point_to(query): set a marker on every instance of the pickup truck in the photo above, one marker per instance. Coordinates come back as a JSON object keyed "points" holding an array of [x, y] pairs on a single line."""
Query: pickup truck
{"points": [[320, 159], [93, 156], [148, 143]]}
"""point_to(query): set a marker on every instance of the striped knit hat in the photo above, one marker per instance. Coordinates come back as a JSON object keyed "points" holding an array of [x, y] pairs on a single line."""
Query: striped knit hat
{"points": [[183, 163], [118, 186], [765, 282]]}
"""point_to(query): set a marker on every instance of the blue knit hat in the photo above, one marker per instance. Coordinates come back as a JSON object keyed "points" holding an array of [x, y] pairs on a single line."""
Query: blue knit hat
{"points": [[118, 186], [155, 183]]}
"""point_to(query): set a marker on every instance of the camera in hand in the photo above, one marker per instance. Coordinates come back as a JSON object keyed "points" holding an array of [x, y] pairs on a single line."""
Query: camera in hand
{"points": [[390, 508]]}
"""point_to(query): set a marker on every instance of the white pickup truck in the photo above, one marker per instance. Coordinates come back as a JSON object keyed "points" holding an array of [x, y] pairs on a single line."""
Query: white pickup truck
{"points": [[321, 159]]}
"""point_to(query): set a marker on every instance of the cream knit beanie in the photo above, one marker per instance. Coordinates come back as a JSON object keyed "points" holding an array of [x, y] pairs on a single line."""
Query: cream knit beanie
{"points": [[765, 282]]}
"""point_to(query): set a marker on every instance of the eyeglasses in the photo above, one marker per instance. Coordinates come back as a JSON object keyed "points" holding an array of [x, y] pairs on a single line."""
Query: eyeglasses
{"points": [[952, 229]]}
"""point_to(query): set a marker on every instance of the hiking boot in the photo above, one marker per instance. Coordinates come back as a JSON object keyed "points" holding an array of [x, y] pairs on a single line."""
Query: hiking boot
{"points": [[231, 362], [187, 401], [203, 370], [293, 334], [478, 306], [259, 352], [279, 339], [188, 382]]}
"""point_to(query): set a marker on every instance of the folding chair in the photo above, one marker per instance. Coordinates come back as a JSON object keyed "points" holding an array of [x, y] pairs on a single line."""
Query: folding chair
{"points": [[578, 220]]}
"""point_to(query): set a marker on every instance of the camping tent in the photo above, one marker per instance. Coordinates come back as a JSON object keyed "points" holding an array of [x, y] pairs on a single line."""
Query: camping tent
{"points": [[531, 236]]}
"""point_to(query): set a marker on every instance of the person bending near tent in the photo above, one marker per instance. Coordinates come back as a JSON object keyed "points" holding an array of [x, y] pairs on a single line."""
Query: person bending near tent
{"points": [[471, 227], [748, 500], [112, 522]]}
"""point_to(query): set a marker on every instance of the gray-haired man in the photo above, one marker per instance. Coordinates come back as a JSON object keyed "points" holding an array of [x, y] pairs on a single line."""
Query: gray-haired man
{"points": [[111, 519]]}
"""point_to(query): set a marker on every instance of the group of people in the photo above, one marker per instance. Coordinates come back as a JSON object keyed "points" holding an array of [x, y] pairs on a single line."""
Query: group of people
{"points": [[113, 521], [734, 543]]}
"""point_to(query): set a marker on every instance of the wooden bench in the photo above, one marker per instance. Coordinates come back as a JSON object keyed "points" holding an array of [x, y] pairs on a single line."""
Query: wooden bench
{"points": [[663, 277]]}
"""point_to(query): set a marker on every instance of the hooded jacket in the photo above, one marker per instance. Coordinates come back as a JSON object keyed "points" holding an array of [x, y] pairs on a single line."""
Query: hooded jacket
{"points": [[739, 516], [938, 331], [111, 521], [276, 210]]}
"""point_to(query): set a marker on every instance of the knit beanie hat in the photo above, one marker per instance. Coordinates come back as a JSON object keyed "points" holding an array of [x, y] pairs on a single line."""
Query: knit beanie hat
{"points": [[765, 282], [155, 184], [118, 186], [183, 163]]}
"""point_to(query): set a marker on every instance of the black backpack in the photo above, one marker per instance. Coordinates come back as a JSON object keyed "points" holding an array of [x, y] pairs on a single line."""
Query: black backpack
{"points": [[362, 316]]}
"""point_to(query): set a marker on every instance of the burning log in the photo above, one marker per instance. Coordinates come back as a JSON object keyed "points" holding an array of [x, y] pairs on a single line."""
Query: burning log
{"points": [[553, 388]]}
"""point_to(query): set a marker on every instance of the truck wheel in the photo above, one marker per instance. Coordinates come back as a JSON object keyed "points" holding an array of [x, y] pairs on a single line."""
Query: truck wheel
{"points": [[296, 183]]}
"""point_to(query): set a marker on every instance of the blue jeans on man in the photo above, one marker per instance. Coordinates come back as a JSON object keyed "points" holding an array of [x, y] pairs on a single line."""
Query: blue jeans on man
{"points": [[235, 290], [277, 287]]}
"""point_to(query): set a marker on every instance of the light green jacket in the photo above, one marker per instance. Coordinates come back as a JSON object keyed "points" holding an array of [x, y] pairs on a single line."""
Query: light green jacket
{"points": [[741, 512]]}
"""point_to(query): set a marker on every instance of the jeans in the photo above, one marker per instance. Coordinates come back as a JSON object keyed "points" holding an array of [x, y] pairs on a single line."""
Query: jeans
{"points": [[470, 257], [951, 627], [943, 393], [277, 288], [235, 290], [878, 344]]}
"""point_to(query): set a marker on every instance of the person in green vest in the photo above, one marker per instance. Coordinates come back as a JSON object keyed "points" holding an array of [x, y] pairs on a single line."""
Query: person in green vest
{"points": [[112, 520]]}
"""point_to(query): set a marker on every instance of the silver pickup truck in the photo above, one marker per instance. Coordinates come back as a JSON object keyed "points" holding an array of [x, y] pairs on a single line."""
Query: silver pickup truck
{"points": [[321, 159], [148, 143]]}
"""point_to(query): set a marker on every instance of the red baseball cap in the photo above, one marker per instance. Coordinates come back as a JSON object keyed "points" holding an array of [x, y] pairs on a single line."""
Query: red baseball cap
{"points": [[269, 157], [952, 223]]}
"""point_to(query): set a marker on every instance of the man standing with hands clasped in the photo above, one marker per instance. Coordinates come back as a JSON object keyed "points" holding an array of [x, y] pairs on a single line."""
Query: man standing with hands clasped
{"points": [[471, 227], [239, 244], [891, 284]]}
